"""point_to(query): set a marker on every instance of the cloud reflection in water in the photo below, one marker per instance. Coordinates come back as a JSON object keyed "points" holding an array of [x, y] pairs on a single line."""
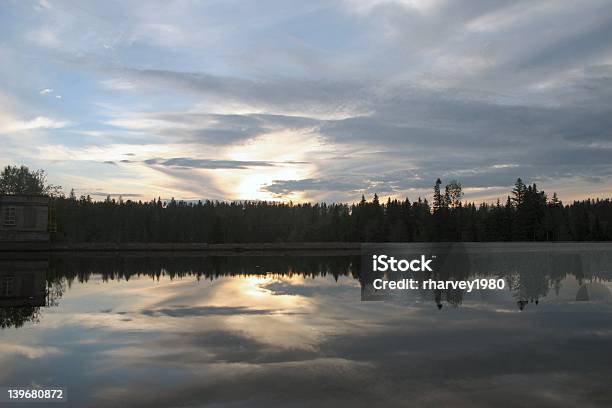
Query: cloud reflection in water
{"points": [[259, 340]]}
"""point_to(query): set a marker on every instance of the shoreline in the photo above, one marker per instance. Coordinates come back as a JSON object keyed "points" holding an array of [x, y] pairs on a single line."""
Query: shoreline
{"points": [[347, 248], [343, 247]]}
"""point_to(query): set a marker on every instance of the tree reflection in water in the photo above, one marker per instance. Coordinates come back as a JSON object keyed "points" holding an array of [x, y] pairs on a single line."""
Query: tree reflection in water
{"points": [[26, 286]]}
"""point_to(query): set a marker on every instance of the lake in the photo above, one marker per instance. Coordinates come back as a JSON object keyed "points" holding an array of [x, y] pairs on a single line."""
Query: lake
{"points": [[291, 330]]}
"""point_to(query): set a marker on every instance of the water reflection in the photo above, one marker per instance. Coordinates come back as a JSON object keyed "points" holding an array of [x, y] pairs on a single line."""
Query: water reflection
{"points": [[22, 291], [283, 330], [28, 285], [529, 272]]}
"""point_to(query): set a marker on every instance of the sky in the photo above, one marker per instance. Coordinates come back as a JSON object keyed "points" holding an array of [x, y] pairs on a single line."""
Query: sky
{"points": [[308, 100]]}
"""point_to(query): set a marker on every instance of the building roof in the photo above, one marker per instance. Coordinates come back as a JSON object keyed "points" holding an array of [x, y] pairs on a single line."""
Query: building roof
{"points": [[31, 199]]}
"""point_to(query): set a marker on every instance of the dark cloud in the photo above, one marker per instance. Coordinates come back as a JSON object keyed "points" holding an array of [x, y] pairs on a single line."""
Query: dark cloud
{"points": [[309, 96], [104, 194], [189, 163], [573, 50], [285, 187], [218, 129]]}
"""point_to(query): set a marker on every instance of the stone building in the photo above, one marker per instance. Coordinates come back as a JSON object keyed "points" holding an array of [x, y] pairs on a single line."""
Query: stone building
{"points": [[24, 219]]}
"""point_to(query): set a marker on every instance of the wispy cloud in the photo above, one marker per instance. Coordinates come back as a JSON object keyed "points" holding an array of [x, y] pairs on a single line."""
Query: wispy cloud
{"points": [[40, 122], [189, 163]]}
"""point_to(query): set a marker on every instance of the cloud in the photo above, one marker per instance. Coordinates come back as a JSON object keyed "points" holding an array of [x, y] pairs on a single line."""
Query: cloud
{"points": [[105, 194], [39, 122], [381, 95], [435, 132], [44, 4], [281, 188], [189, 163], [320, 99], [118, 84]]}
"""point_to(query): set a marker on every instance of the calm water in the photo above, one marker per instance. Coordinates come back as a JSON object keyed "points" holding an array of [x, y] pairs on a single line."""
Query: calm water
{"points": [[292, 331]]}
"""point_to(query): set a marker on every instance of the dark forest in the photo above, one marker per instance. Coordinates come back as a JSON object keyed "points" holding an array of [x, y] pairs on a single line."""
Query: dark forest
{"points": [[527, 214]]}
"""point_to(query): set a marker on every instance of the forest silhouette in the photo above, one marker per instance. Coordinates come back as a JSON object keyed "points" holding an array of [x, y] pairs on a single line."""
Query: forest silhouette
{"points": [[527, 214]]}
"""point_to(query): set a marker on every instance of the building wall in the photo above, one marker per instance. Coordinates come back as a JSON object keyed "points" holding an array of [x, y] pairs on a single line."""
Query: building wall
{"points": [[31, 218]]}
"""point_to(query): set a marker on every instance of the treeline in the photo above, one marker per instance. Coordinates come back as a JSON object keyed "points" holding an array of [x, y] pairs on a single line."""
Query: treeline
{"points": [[526, 215]]}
